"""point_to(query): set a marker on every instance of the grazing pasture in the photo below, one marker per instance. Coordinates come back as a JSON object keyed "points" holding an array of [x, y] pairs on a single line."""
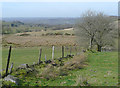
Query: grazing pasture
{"points": [[99, 69], [102, 69], [29, 55]]}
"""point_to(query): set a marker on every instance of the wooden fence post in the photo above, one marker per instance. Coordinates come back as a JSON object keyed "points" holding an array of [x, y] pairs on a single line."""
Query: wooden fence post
{"points": [[67, 49], [53, 52], [62, 51], [40, 56], [8, 61], [11, 68], [76, 49], [70, 49]]}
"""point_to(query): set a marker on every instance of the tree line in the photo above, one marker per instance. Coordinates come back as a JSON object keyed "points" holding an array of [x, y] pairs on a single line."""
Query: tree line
{"points": [[20, 27]]}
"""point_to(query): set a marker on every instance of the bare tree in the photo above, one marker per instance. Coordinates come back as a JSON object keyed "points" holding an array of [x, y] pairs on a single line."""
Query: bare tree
{"points": [[96, 27]]}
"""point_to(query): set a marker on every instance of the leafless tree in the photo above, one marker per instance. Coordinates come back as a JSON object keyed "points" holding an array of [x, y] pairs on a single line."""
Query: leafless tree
{"points": [[96, 27]]}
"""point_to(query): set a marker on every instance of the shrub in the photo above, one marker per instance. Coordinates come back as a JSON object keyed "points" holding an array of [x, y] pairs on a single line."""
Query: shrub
{"points": [[67, 34], [49, 33], [43, 34], [58, 33], [24, 34], [73, 34]]}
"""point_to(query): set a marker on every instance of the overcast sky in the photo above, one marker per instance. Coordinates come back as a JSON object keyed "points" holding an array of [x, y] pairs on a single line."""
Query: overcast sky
{"points": [[56, 9]]}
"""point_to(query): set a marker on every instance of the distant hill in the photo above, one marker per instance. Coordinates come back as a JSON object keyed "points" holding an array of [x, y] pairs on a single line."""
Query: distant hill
{"points": [[46, 20], [20, 25], [38, 20]]}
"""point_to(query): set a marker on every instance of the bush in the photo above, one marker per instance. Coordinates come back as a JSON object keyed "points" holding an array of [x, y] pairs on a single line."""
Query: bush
{"points": [[58, 33], [49, 33], [73, 34], [67, 34], [43, 34], [24, 34]]}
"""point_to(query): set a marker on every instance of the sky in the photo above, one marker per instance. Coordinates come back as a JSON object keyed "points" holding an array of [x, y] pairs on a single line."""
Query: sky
{"points": [[56, 9], [59, 0]]}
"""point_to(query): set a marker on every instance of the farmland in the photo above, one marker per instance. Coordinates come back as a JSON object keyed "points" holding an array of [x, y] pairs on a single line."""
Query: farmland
{"points": [[94, 69], [26, 48], [40, 38], [100, 69], [31, 54]]}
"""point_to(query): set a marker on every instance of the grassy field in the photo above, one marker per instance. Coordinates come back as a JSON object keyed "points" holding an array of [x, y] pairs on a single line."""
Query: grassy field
{"points": [[36, 39], [31, 54], [26, 48], [102, 70]]}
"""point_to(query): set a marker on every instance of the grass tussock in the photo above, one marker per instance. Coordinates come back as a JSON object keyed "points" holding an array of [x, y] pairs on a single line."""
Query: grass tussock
{"points": [[82, 81], [76, 63], [51, 72]]}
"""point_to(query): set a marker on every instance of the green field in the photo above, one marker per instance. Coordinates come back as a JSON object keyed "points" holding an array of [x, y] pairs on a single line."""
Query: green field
{"points": [[101, 70], [31, 54]]}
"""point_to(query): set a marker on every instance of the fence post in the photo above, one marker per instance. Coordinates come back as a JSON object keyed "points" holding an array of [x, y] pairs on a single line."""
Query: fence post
{"points": [[62, 51], [40, 56], [70, 49], [66, 48], [53, 52], [8, 61], [76, 49], [11, 68]]}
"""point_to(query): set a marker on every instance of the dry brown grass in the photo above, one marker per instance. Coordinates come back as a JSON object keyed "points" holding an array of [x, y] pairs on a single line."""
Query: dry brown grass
{"points": [[81, 81], [51, 72], [76, 63], [37, 39]]}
